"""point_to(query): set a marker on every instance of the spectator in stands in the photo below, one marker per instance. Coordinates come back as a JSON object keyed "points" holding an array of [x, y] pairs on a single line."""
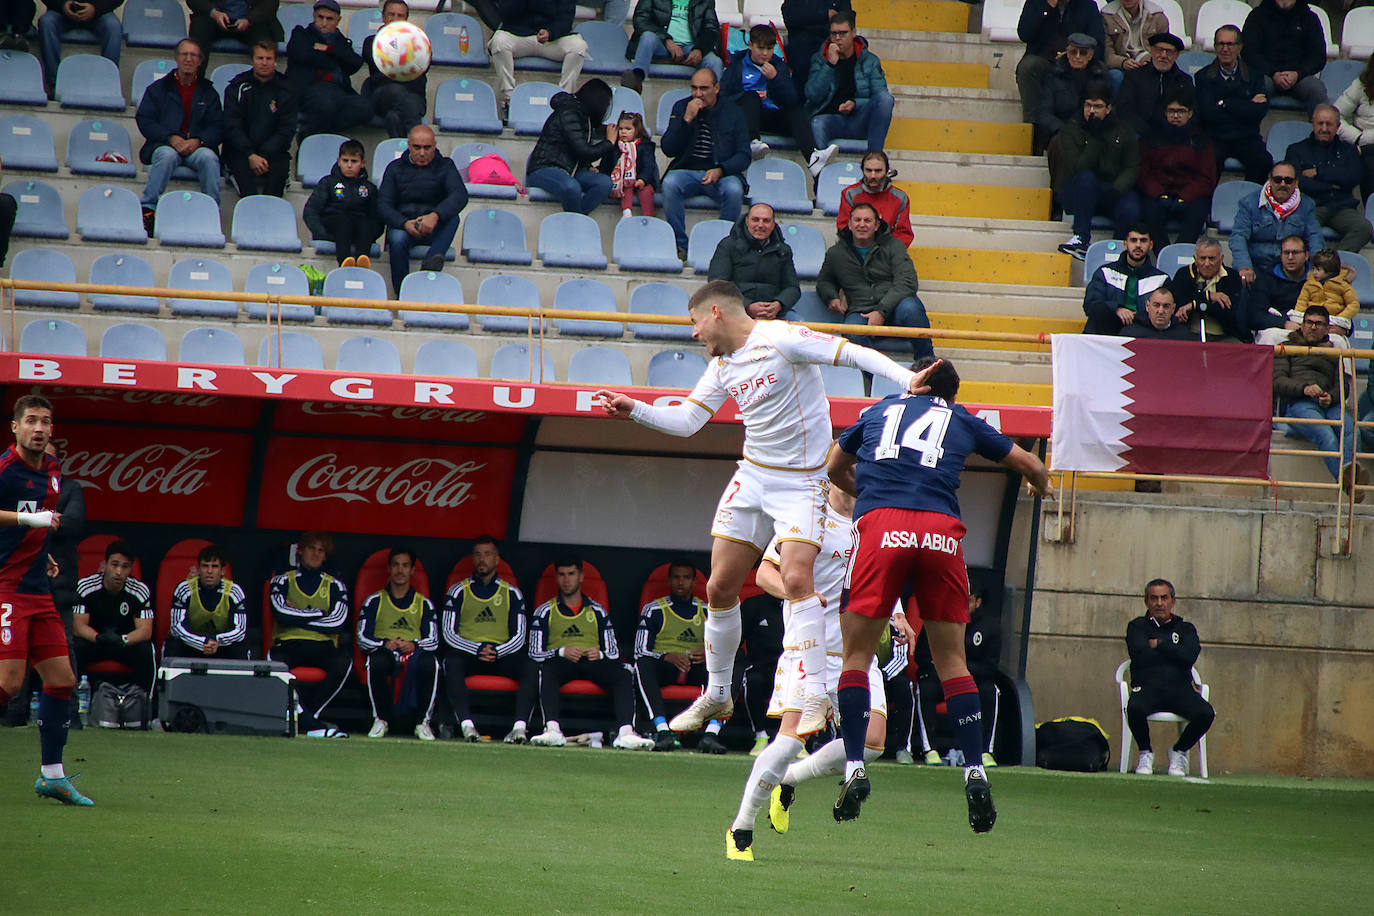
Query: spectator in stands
{"points": [[9, 209], [1045, 27], [209, 618], [1062, 98], [755, 258], [320, 61], [420, 200], [95, 16], [1119, 289], [1163, 648], [1128, 25], [683, 31], [310, 614], [571, 638], [1158, 321], [484, 625], [399, 635], [1178, 173], [1276, 291], [1231, 103], [1094, 164], [182, 124], [846, 91], [536, 28], [1330, 285], [113, 618], [807, 23], [260, 113], [1145, 89], [1329, 171], [1285, 42], [758, 81], [709, 145], [670, 648], [400, 105], [571, 145], [1356, 106], [246, 21], [1212, 293], [876, 188], [1265, 216], [633, 166], [867, 276], [16, 18], [343, 208]]}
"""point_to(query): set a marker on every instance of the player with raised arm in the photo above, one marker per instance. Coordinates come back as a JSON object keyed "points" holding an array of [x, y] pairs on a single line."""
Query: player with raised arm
{"points": [[772, 371], [902, 461], [30, 629]]}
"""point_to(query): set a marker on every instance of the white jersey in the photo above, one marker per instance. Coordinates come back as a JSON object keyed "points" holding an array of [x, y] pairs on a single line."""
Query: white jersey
{"points": [[836, 545]]}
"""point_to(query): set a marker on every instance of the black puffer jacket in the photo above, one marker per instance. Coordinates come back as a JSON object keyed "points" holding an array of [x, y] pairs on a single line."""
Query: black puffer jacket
{"points": [[763, 271], [569, 140], [1277, 39], [337, 195], [654, 15]]}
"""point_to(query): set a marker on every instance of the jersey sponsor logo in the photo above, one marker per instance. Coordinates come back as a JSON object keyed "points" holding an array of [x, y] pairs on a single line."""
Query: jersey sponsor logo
{"points": [[925, 540], [841, 554], [573, 630], [430, 482], [27, 505], [752, 390], [807, 332]]}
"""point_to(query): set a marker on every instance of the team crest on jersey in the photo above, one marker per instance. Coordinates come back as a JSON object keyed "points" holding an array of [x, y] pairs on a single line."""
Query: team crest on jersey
{"points": [[498, 599], [123, 609], [758, 354], [5, 636], [56, 484], [723, 517]]}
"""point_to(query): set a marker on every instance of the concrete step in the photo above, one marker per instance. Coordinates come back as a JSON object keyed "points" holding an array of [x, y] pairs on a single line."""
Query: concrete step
{"points": [[978, 234], [951, 199], [935, 73], [971, 168], [946, 103], [1004, 324], [960, 265], [918, 15], [959, 136], [1039, 302]]}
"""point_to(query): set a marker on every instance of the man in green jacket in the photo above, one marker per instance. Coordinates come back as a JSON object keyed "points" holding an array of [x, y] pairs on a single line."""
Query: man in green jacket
{"points": [[1094, 163]]}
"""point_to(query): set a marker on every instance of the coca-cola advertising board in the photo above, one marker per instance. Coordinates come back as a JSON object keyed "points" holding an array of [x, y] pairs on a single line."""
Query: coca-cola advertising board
{"points": [[173, 476], [398, 421], [141, 405], [386, 487]]}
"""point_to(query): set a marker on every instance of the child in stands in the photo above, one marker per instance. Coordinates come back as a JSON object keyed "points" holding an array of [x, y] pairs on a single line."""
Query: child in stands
{"points": [[343, 208], [634, 165]]}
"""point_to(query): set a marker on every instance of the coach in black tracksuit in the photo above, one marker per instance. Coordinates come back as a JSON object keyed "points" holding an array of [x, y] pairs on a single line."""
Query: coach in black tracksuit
{"points": [[1163, 648]]}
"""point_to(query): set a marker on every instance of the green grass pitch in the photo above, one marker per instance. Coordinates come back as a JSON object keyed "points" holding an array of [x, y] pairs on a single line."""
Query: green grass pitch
{"points": [[259, 825]]}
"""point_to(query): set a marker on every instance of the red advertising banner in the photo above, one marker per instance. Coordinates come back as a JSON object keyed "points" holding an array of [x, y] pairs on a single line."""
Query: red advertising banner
{"points": [[373, 487], [144, 405], [165, 475], [397, 421]]}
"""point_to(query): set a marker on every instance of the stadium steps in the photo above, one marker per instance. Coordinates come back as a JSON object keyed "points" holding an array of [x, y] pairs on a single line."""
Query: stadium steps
{"points": [[960, 136], [955, 103], [962, 265], [950, 74], [1003, 324], [976, 201], [916, 15]]}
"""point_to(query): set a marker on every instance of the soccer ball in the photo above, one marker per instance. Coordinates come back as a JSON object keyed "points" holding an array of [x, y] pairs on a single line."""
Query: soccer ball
{"points": [[401, 51]]}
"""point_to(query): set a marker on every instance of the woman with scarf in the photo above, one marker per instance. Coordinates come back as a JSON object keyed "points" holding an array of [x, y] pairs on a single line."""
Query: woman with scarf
{"points": [[1267, 216], [1178, 172]]}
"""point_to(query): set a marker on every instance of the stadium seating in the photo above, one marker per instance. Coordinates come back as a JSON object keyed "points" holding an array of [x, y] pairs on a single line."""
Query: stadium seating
{"points": [[21, 79], [446, 358], [1190, 62], [728, 13], [588, 296], [214, 346], [1332, 49], [1124, 691], [1284, 134], [675, 369], [512, 291], [645, 243], [808, 249], [1100, 253], [316, 157], [522, 362], [659, 299], [368, 354], [265, 223], [108, 213], [665, 108], [278, 279], [387, 152], [600, 366], [781, 183], [1364, 278], [365, 22], [571, 240], [189, 219], [89, 81], [445, 31], [122, 269], [291, 350], [88, 141], [703, 240], [624, 98], [883, 387], [834, 178], [1172, 257], [492, 236], [291, 15], [1212, 15], [154, 23], [529, 107], [467, 104], [462, 156], [1357, 33], [355, 283], [49, 266], [26, 143], [1224, 201], [605, 47], [53, 336], [842, 381], [224, 74], [204, 275], [132, 341], [1178, 23], [1337, 76], [145, 74], [432, 286], [811, 310], [40, 210]]}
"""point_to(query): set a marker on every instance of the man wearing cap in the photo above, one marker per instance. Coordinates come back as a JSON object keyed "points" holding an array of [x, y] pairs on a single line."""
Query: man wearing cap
{"points": [[1077, 69], [1129, 25], [1045, 27], [1141, 100], [319, 62], [1284, 40]]}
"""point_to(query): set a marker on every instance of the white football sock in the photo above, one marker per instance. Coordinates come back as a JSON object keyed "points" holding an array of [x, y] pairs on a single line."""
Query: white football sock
{"points": [[768, 769], [723, 632], [827, 761], [53, 771], [806, 622]]}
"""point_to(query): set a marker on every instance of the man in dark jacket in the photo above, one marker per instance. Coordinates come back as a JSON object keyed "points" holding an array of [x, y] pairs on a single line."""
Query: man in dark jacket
{"points": [[259, 121], [95, 16], [709, 146], [536, 28], [1045, 27], [400, 105], [247, 21], [319, 62], [1231, 103], [687, 34], [1140, 103], [756, 259], [868, 277], [1307, 386], [1329, 171], [1276, 290], [808, 27], [180, 130], [1094, 164], [1212, 293], [1157, 321], [1163, 649], [1119, 289], [846, 90], [570, 146], [1062, 97], [759, 82], [420, 200], [1284, 41]]}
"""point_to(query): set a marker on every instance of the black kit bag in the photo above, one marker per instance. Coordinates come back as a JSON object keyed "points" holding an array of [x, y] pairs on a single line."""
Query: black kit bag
{"points": [[1072, 743]]}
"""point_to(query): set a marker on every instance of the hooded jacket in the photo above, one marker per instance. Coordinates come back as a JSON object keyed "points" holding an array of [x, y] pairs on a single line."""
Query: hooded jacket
{"points": [[782, 90], [891, 202], [879, 281], [763, 271], [568, 141], [869, 79], [1108, 148], [1276, 39]]}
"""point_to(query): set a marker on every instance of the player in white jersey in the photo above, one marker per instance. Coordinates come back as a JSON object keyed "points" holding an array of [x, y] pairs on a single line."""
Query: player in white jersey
{"points": [[772, 371]]}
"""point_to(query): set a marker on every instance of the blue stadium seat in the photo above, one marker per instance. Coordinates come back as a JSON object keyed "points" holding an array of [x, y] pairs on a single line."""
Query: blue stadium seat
{"points": [[781, 183], [204, 275], [451, 358], [52, 336], [188, 218], [21, 79], [40, 210], [265, 223], [1100, 253], [605, 46], [808, 249], [89, 81], [445, 32], [588, 296], [523, 362], [291, 15], [316, 157], [512, 291], [325, 249], [665, 108], [109, 213], [645, 243], [291, 350], [466, 104], [665, 70], [1364, 277], [601, 366], [145, 74], [1172, 257], [675, 369], [362, 23], [659, 299], [387, 152], [432, 286], [811, 310], [571, 240], [493, 236], [835, 177], [703, 241], [1284, 134], [1224, 201], [89, 140], [842, 381], [1190, 62], [1337, 76], [154, 23], [132, 341], [355, 283], [368, 354], [26, 143], [624, 98], [222, 75], [529, 107], [882, 387], [1362, 338], [123, 269], [278, 279], [464, 153], [50, 266], [215, 346]]}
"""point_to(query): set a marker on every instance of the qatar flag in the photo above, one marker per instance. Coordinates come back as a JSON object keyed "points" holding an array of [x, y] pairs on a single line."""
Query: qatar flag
{"points": [[1161, 406]]}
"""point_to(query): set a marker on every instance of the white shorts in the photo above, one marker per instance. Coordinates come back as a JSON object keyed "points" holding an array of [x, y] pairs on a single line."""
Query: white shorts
{"points": [[789, 684], [759, 504]]}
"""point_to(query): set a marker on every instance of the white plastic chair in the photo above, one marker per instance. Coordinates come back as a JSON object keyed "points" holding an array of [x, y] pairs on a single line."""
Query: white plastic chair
{"points": [[1212, 15], [1357, 35], [1178, 23], [1124, 688], [1332, 50], [1000, 18]]}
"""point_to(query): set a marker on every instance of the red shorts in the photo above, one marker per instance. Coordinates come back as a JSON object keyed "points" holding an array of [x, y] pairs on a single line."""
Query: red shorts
{"points": [[897, 547], [30, 628]]}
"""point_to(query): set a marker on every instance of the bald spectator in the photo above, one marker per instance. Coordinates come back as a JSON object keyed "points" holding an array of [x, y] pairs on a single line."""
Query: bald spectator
{"points": [[1157, 323], [320, 62], [1144, 89], [1045, 27], [244, 21], [420, 200], [1231, 103], [1329, 172], [1208, 292], [1285, 42], [876, 188], [756, 259], [1070, 77]]}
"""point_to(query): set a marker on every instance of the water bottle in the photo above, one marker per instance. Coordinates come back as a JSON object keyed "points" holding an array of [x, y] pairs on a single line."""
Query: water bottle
{"points": [[463, 39], [83, 698]]}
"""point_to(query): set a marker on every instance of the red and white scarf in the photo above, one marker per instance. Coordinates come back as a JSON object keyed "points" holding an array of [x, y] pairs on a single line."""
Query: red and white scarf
{"points": [[624, 171], [1285, 209]]}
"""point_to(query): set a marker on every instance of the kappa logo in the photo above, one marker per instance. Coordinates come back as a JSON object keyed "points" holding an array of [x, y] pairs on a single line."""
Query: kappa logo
{"points": [[485, 615], [794, 530], [724, 517]]}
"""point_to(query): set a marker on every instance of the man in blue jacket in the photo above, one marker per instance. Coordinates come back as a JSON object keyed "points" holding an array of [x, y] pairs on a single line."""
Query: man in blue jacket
{"points": [[1045, 27], [1329, 171], [182, 124], [709, 145], [421, 196], [846, 91], [1266, 216], [320, 62], [758, 81]]}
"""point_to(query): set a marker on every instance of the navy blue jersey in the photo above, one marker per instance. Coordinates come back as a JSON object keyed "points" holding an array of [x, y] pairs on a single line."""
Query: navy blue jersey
{"points": [[23, 551], [911, 451]]}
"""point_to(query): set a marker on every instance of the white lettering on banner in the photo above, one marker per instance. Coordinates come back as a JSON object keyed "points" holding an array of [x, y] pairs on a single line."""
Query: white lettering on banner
{"points": [[39, 369], [502, 396], [196, 378], [357, 389], [433, 393], [586, 402], [409, 484], [275, 384], [926, 540], [120, 374], [157, 467], [992, 418]]}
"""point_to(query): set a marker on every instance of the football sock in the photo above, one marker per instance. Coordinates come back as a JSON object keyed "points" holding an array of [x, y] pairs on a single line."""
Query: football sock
{"points": [[767, 772], [806, 622], [854, 707], [965, 715], [827, 761], [723, 631], [660, 723], [4, 698], [54, 716], [713, 727]]}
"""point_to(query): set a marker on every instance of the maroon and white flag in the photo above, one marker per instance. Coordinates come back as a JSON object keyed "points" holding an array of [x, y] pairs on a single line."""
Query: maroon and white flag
{"points": [[1161, 406]]}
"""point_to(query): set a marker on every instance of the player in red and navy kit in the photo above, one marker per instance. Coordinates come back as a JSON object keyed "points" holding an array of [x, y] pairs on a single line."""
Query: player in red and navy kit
{"points": [[31, 631], [902, 461]]}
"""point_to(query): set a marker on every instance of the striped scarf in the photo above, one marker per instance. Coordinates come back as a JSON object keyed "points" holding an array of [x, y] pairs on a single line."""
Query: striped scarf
{"points": [[624, 171], [1281, 210]]}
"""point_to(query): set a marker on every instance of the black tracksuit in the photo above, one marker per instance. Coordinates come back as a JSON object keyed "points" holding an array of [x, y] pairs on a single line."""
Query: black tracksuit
{"points": [[260, 119], [1161, 679]]}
